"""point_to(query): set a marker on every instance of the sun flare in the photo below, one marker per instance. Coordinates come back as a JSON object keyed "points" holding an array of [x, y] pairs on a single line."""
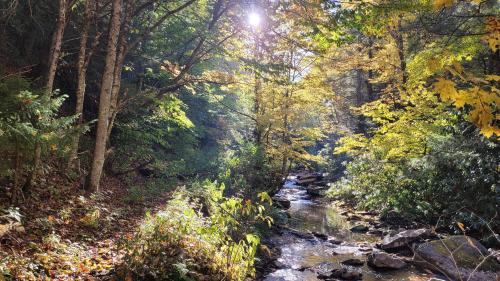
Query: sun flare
{"points": [[254, 19]]}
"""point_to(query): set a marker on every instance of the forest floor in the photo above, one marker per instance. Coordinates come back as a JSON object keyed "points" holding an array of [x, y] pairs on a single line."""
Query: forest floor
{"points": [[70, 236]]}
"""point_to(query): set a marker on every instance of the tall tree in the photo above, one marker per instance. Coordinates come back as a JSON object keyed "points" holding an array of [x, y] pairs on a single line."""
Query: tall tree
{"points": [[92, 184], [91, 8]]}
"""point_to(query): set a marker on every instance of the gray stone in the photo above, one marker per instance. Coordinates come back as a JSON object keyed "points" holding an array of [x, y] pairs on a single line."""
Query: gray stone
{"points": [[344, 273], [334, 241], [404, 238], [282, 202], [324, 269], [459, 257], [317, 191], [382, 260]]}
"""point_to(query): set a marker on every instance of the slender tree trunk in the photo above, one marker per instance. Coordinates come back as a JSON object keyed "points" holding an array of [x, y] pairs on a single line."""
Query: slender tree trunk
{"points": [[55, 48], [105, 99], [257, 134], [398, 38], [120, 60], [80, 88], [369, 85]]}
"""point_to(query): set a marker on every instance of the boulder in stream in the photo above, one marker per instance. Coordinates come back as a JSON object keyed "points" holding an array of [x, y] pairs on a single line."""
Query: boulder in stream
{"points": [[319, 235], [344, 273], [324, 269], [359, 228], [353, 262], [316, 191], [308, 178], [282, 202], [404, 238], [382, 260], [334, 241], [460, 258]]}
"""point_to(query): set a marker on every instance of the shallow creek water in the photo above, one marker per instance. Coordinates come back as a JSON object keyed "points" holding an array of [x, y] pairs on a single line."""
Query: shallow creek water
{"points": [[299, 254]]}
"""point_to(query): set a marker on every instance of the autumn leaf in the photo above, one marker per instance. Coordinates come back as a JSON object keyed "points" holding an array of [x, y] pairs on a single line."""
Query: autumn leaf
{"points": [[493, 36], [446, 89], [489, 131], [438, 4], [83, 268]]}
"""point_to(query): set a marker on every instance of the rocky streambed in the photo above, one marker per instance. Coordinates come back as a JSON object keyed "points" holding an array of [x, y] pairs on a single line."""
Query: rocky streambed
{"points": [[324, 242]]}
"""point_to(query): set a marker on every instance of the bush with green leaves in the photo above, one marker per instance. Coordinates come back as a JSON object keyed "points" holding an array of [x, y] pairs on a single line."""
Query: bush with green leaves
{"points": [[26, 119], [183, 243], [248, 170], [456, 181]]}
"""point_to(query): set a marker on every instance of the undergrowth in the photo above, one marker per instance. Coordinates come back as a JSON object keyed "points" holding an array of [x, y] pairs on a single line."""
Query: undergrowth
{"points": [[198, 236]]}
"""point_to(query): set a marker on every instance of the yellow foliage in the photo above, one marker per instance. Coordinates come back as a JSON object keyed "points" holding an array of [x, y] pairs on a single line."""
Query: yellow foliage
{"points": [[493, 36], [484, 103], [446, 88], [438, 4]]}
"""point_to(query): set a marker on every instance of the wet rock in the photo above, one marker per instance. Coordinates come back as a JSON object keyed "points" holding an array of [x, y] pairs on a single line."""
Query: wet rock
{"points": [[279, 264], [282, 202], [342, 273], [359, 228], [308, 178], [334, 241], [317, 191], [353, 262], [459, 257], [324, 269], [404, 238], [382, 260], [321, 236], [300, 234], [365, 249], [436, 279]]}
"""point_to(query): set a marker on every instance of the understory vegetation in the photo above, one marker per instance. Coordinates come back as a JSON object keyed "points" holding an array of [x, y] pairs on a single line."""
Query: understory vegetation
{"points": [[455, 181], [204, 236]]}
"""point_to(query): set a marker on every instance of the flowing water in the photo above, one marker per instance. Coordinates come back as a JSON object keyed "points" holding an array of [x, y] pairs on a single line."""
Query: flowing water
{"points": [[299, 254]]}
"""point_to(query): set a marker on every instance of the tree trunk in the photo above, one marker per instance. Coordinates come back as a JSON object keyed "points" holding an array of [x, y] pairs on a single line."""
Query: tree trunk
{"points": [[398, 38], [120, 60], [369, 85], [105, 99], [80, 88], [257, 134], [55, 47]]}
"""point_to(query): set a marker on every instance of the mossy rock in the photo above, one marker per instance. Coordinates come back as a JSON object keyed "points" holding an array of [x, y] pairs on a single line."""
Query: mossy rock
{"points": [[460, 258]]}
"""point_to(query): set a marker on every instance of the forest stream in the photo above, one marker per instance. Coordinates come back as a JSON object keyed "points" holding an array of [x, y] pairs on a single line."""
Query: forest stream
{"points": [[305, 252]]}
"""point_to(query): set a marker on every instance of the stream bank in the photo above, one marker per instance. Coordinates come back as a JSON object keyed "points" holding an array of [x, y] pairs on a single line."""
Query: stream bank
{"points": [[325, 242]]}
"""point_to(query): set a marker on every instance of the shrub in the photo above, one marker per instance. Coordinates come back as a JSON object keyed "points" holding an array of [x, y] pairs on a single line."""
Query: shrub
{"points": [[182, 243], [456, 181], [26, 119]]}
